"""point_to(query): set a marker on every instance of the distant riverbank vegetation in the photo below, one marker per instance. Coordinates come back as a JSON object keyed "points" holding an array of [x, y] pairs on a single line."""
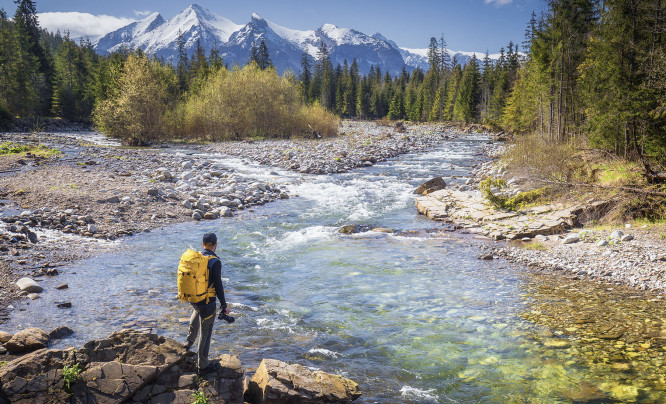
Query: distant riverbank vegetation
{"points": [[589, 74]]}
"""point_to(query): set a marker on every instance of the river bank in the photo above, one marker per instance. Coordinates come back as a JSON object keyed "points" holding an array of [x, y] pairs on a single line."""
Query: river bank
{"points": [[558, 237]]}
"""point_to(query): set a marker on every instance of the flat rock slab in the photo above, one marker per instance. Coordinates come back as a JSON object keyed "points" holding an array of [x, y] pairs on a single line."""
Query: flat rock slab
{"points": [[469, 209], [279, 382]]}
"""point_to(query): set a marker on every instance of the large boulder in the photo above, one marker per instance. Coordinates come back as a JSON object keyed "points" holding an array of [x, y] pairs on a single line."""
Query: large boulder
{"points": [[36, 377], [128, 366], [28, 340], [279, 382], [431, 186]]}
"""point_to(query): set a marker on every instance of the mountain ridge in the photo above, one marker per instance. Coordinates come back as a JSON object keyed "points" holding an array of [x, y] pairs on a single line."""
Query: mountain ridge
{"points": [[199, 26]]}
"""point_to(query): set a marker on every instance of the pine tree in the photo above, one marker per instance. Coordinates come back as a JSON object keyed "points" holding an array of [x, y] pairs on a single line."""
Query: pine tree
{"points": [[434, 56], [324, 71], [263, 59], [182, 66], [254, 53], [305, 77], [32, 52], [465, 108]]}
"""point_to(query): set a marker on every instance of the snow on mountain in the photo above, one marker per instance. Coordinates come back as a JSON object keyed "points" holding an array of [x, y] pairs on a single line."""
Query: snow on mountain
{"points": [[157, 36], [419, 57]]}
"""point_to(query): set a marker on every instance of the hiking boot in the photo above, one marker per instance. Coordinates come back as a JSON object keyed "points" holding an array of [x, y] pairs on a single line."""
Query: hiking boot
{"points": [[211, 368]]}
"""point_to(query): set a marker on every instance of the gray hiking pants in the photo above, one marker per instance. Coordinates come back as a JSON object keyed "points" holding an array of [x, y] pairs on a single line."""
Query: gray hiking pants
{"points": [[201, 323]]}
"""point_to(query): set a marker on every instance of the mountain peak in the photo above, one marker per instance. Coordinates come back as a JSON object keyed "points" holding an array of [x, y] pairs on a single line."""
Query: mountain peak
{"points": [[198, 12]]}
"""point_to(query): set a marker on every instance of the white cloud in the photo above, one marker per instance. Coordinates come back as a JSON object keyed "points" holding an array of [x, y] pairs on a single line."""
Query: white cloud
{"points": [[82, 24], [142, 14], [498, 2]]}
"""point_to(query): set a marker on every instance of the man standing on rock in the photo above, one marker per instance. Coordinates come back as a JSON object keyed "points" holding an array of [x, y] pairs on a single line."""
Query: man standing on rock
{"points": [[203, 316]]}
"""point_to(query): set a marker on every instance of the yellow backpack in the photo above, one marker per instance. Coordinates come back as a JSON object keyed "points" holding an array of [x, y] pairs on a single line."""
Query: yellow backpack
{"points": [[193, 277]]}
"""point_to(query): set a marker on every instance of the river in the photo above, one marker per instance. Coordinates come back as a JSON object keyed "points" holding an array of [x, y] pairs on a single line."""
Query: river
{"points": [[412, 317]]}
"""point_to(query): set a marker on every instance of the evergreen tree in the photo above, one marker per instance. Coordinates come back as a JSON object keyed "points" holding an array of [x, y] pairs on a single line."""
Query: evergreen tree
{"points": [[465, 108], [182, 65], [263, 59], [305, 77], [254, 53], [28, 34], [324, 73]]}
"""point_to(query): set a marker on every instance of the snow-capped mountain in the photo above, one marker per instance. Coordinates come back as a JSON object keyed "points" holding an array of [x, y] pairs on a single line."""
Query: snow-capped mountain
{"points": [[157, 36]]}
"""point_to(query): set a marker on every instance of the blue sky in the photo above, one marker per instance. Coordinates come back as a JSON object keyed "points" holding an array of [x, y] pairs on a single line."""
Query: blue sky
{"points": [[467, 25]]}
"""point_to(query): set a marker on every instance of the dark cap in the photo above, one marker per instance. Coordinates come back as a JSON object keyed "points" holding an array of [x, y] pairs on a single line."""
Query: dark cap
{"points": [[209, 239]]}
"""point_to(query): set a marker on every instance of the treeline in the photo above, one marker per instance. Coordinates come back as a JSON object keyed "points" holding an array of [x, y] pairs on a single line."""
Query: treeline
{"points": [[448, 91], [43, 74], [595, 69]]}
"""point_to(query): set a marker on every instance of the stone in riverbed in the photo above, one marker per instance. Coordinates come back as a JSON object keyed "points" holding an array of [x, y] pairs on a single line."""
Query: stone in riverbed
{"points": [[29, 285], [616, 235], [28, 340], [60, 333], [280, 382], [4, 337], [486, 257], [197, 215], [557, 344], [431, 186], [626, 237], [33, 296], [571, 238]]}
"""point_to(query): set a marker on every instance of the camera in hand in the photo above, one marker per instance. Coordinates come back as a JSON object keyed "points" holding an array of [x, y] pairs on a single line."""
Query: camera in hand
{"points": [[224, 316]]}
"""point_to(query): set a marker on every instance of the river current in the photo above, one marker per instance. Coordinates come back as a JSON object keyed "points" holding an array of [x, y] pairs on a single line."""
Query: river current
{"points": [[413, 316]]}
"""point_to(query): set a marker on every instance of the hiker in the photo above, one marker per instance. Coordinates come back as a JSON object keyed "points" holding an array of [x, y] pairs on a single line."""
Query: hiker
{"points": [[203, 316]]}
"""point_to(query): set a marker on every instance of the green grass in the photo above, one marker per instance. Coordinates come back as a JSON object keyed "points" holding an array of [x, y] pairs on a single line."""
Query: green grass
{"points": [[519, 201], [3, 363], [71, 374], [535, 246], [199, 398], [618, 173], [9, 148]]}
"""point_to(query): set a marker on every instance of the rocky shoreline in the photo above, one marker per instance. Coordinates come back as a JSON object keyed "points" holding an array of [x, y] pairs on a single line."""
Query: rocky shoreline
{"points": [[556, 238], [132, 366]]}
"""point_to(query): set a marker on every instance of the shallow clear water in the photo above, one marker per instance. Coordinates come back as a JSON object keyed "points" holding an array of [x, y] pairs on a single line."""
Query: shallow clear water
{"points": [[411, 316]]}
